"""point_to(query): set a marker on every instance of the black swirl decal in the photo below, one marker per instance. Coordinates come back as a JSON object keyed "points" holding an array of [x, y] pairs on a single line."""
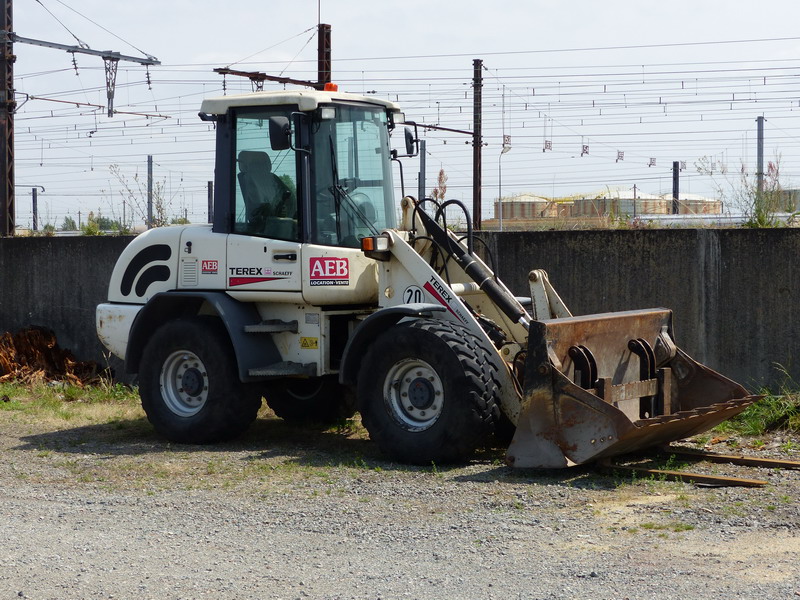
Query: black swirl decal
{"points": [[145, 256], [151, 275]]}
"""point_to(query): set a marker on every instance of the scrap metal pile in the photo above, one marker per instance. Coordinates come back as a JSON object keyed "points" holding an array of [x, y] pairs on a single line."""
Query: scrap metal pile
{"points": [[33, 355]]}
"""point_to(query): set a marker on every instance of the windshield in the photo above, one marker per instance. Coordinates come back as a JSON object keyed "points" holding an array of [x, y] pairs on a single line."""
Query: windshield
{"points": [[352, 191]]}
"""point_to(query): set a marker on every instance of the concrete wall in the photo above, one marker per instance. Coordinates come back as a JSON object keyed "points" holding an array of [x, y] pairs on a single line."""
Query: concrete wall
{"points": [[732, 291], [56, 282]]}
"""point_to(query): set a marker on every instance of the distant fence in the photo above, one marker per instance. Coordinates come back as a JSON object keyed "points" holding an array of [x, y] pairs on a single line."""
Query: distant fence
{"points": [[733, 291]]}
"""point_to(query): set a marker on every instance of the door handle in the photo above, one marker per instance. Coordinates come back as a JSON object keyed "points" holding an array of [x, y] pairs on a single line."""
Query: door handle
{"points": [[290, 256]]}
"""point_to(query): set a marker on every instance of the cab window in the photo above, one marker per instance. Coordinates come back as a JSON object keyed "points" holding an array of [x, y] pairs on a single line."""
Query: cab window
{"points": [[265, 181]]}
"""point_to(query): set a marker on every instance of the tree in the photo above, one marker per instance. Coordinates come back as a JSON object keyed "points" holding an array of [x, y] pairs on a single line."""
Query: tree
{"points": [[134, 194], [98, 224], [762, 204], [91, 227], [69, 224], [440, 191]]}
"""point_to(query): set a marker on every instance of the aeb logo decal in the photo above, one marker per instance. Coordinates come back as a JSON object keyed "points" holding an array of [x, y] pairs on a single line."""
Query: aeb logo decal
{"points": [[209, 267], [329, 270]]}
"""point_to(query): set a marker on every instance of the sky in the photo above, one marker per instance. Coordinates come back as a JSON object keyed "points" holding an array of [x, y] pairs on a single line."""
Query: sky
{"points": [[594, 95]]}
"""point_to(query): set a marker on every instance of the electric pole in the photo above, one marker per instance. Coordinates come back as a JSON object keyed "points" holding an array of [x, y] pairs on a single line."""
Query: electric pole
{"points": [[477, 141], [760, 155], [323, 54], [676, 183], [7, 106], [149, 191]]}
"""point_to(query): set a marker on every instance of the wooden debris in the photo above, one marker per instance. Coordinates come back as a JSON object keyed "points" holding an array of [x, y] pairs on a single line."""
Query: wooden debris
{"points": [[33, 355]]}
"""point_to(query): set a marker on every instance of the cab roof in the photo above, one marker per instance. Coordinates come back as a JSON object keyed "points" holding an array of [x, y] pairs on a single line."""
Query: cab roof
{"points": [[306, 100]]}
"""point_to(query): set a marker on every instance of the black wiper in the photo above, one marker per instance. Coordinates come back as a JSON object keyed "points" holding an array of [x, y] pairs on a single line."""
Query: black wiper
{"points": [[335, 189], [340, 192]]}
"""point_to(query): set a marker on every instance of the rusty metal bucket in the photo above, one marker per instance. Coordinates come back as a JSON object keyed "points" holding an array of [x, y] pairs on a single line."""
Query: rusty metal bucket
{"points": [[609, 384]]}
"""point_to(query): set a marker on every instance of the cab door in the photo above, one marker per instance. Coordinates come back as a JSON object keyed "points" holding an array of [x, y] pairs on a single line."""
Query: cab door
{"points": [[262, 264], [263, 248]]}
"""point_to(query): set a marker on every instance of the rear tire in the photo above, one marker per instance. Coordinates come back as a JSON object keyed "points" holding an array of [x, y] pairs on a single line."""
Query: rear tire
{"points": [[427, 392], [189, 383], [314, 400]]}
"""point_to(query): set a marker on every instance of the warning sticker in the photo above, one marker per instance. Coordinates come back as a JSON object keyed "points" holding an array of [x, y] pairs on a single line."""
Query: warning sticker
{"points": [[309, 343]]}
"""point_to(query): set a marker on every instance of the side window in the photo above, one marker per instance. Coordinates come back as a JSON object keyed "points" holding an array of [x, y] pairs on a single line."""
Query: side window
{"points": [[266, 181]]}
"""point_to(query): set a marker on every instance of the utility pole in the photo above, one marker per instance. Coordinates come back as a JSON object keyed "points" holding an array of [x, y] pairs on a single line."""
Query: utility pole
{"points": [[149, 191], [760, 155], [477, 140], [676, 182], [35, 208], [7, 106], [323, 54], [422, 168]]}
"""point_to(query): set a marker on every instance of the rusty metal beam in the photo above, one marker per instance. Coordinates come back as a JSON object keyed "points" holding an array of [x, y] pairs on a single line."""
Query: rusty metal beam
{"points": [[258, 78], [733, 459], [668, 475]]}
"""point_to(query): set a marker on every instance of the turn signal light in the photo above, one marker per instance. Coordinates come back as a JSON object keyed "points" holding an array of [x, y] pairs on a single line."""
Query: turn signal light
{"points": [[376, 246]]}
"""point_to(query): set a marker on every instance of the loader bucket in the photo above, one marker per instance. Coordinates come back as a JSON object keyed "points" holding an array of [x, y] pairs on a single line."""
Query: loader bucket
{"points": [[609, 384]]}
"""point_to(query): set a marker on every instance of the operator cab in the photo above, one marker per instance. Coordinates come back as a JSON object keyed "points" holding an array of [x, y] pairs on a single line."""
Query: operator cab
{"points": [[307, 167]]}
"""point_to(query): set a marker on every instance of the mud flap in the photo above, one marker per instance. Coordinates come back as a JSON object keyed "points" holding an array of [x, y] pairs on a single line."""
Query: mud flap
{"points": [[608, 384]]}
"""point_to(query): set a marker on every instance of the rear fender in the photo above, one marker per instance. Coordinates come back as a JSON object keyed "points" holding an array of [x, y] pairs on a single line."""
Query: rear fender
{"points": [[250, 350]]}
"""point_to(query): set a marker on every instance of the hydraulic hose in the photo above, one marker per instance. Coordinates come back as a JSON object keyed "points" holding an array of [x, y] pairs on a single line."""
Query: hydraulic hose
{"points": [[504, 300]]}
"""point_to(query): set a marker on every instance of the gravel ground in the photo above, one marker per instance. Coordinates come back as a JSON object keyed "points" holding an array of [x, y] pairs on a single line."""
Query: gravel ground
{"points": [[111, 511]]}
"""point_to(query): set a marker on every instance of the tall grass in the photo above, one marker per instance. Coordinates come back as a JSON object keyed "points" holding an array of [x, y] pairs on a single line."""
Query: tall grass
{"points": [[775, 412]]}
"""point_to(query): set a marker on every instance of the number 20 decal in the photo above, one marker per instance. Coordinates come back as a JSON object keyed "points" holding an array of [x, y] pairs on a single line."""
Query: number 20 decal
{"points": [[413, 295]]}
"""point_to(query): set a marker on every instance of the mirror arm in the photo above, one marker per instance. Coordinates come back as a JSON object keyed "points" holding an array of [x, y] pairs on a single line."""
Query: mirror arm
{"points": [[297, 115]]}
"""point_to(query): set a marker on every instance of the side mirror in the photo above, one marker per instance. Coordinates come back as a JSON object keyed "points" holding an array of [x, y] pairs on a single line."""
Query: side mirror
{"points": [[410, 142], [280, 133]]}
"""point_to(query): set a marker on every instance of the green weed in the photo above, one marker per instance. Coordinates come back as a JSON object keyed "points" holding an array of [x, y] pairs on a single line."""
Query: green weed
{"points": [[776, 411]]}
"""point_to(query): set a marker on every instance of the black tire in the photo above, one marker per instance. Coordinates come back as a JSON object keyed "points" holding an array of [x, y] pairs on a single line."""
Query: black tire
{"points": [[427, 392], [189, 383], [315, 400]]}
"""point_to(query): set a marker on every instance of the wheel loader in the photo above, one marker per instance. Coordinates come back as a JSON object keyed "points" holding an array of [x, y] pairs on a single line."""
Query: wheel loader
{"points": [[316, 290]]}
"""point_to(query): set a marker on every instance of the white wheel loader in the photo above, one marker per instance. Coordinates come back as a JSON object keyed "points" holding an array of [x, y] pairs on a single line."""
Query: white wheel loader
{"points": [[308, 292]]}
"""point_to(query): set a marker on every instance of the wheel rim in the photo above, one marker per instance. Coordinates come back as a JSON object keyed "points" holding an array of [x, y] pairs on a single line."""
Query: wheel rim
{"points": [[184, 383], [414, 394]]}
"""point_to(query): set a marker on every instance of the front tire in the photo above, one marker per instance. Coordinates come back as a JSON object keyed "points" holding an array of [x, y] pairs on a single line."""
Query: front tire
{"points": [[427, 392], [189, 383]]}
